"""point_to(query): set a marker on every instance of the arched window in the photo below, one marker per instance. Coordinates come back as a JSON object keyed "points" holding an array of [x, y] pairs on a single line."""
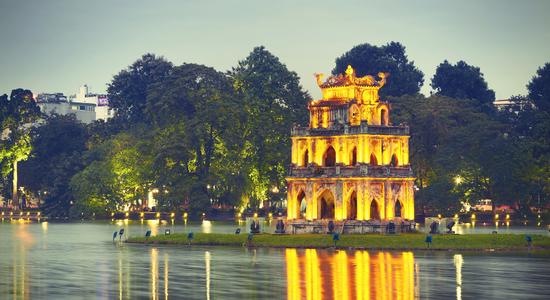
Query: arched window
{"points": [[394, 162], [383, 117], [352, 207], [398, 209], [374, 214], [301, 197], [353, 157], [306, 158], [373, 160], [326, 202], [330, 157]]}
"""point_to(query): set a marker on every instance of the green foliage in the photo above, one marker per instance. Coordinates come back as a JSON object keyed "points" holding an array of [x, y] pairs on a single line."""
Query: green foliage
{"points": [[197, 116], [20, 109], [539, 89], [273, 100], [405, 78], [128, 91], [465, 82]]}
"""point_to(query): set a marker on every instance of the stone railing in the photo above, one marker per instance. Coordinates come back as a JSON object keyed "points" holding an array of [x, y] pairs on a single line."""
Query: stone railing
{"points": [[348, 171], [349, 130]]}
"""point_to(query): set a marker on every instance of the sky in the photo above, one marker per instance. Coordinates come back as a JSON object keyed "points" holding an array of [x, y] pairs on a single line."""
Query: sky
{"points": [[56, 46]]}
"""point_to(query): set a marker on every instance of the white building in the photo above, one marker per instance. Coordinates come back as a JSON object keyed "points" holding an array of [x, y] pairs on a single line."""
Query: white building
{"points": [[87, 107]]}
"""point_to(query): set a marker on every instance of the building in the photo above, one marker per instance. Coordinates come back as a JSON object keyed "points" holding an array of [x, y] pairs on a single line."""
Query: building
{"points": [[350, 163], [87, 107]]}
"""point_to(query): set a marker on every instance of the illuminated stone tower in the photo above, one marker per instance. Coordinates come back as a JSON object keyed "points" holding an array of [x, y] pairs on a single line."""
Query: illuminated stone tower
{"points": [[350, 162]]}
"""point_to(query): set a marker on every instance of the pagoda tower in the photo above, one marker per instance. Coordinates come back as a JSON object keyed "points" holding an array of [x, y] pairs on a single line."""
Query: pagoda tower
{"points": [[350, 163]]}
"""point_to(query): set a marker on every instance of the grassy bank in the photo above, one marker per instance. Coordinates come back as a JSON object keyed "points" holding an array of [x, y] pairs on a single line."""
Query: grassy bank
{"points": [[474, 242]]}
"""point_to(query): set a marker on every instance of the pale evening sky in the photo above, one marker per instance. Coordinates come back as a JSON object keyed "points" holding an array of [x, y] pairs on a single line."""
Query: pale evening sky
{"points": [[56, 46]]}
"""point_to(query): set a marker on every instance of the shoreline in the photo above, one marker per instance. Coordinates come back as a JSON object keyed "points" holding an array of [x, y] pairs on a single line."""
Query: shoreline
{"points": [[376, 242]]}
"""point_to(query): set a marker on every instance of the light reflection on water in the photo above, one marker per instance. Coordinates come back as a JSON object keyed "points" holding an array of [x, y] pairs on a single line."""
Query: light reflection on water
{"points": [[78, 260]]}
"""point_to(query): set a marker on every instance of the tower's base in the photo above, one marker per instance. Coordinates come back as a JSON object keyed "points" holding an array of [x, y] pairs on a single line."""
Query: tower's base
{"points": [[350, 226]]}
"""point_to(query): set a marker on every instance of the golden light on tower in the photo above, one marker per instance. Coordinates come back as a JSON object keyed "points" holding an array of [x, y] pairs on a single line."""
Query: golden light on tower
{"points": [[350, 163]]}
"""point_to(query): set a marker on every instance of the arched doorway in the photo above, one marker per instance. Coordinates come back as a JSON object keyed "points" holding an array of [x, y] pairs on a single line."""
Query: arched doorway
{"points": [[301, 197], [303, 208], [373, 160], [352, 207], [306, 158], [374, 211], [330, 157], [394, 162], [399, 209], [326, 205], [383, 117], [353, 157]]}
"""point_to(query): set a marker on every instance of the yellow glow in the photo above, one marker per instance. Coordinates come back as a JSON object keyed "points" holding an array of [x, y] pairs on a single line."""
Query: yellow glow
{"points": [[239, 215], [141, 214], [30, 213], [2, 213], [270, 215], [127, 214], [185, 215], [439, 216], [507, 223], [292, 274], [158, 214], [473, 223], [473, 216], [11, 213], [255, 215], [458, 180], [507, 216], [172, 214], [112, 214], [496, 216], [456, 216]]}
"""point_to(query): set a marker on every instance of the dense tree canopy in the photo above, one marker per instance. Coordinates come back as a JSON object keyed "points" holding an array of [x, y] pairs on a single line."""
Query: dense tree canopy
{"points": [[465, 82], [18, 110], [128, 91], [367, 59], [197, 114], [539, 89], [274, 100]]}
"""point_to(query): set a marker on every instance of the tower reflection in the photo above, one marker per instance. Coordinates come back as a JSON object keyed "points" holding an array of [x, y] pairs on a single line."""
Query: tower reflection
{"points": [[316, 274]]}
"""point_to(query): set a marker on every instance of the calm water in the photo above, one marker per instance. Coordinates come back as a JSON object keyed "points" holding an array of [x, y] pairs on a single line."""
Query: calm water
{"points": [[78, 260]]}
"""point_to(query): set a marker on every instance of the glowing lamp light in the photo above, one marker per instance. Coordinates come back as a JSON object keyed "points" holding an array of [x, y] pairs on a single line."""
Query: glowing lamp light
{"points": [[172, 215], [127, 214], [458, 180], [2, 213], [239, 215], [185, 215], [112, 214], [255, 215], [11, 213], [473, 216], [507, 223], [496, 216], [141, 214], [158, 214], [507, 216], [270, 215], [30, 213], [203, 214], [456, 216], [439, 216]]}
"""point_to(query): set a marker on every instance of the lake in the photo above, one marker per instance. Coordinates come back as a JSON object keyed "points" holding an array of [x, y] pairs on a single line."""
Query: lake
{"points": [[79, 260]]}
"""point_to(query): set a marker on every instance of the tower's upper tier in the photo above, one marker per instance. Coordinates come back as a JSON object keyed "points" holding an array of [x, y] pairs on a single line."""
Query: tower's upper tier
{"points": [[349, 100]]}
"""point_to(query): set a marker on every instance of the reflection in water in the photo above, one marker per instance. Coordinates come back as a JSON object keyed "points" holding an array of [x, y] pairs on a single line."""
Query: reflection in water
{"points": [[206, 226], [81, 261], [316, 274], [458, 264], [207, 259]]}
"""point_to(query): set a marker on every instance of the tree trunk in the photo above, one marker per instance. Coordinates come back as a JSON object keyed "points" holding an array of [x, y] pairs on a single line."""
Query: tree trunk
{"points": [[15, 196]]}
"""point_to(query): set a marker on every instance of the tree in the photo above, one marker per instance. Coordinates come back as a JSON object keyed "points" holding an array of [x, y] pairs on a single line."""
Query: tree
{"points": [[128, 91], [274, 100], [539, 89], [371, 60], [20, 109], [465, 82], [197, 115], [431, 120], [484, 161]]}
